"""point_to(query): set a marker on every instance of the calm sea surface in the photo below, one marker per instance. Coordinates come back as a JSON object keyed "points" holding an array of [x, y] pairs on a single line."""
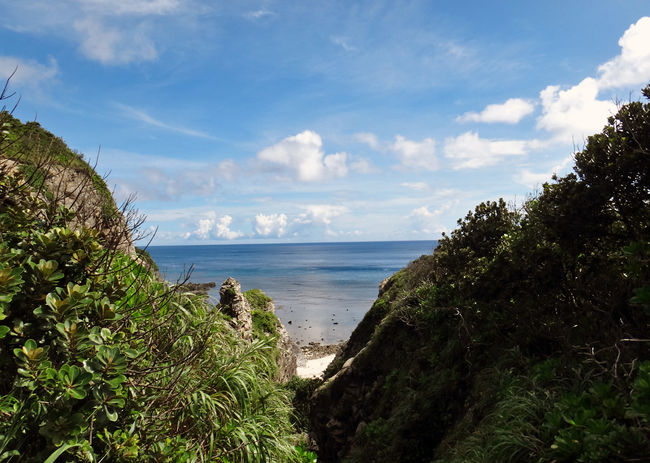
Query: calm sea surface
{"points": [[324, 289]]}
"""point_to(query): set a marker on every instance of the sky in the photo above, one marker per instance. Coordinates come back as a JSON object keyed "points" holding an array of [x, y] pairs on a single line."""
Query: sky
{"points": [[261, 121]]}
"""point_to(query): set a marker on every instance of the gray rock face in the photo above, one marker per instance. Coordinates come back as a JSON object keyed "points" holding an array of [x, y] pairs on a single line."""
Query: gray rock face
{"points": [[288, 358], [235, 304]]}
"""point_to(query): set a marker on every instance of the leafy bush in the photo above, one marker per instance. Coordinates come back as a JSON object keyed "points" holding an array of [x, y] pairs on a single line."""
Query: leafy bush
{"points": [[563, 279], [257, 299], [264, 323]]}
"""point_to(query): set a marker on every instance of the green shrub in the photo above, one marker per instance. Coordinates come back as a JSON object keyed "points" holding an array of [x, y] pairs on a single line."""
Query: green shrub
{"points": [[264, 323], [101, 361], [257, 299]]}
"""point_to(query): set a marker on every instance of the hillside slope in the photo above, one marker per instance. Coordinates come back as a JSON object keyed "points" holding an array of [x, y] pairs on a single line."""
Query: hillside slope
{"points": [[524, 337], [64, 178]]}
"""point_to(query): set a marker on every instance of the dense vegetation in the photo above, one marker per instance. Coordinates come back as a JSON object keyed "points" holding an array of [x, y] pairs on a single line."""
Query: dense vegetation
{"points": [[102, 361], [524, 337]]}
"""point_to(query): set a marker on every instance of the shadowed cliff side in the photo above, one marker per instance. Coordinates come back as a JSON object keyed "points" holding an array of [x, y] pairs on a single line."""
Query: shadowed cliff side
{"points": [[524, 337]]}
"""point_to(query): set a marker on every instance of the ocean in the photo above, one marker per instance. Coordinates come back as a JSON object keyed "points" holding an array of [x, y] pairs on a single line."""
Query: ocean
{"points": [[321, 290]]}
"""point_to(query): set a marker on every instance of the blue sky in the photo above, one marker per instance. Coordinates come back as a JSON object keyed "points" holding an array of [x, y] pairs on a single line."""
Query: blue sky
{"points": [[273, 121]]}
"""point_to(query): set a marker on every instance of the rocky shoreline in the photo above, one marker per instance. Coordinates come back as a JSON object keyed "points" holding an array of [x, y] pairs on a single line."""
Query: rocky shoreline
{"points": [[316, 350], [306, 361]]}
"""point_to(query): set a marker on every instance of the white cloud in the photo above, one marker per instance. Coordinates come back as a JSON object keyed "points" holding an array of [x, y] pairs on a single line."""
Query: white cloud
{"points": [[418, 155], [110, 32], [532, 179], [343, 42], [632, 66], [214, 227], [142, 116], [162, 178], [423, 212], [417, 186], [427, 222], [272, 224], [363, 166], [257, 14], [302, 154], [369, 139], [510, 112], [131, 7], [28, 71], [111, 45], [574, 113], [469, 151], [320, 213]]}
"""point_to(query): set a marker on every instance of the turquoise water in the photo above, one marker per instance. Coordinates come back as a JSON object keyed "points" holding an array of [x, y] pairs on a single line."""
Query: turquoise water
{"points": [[323, 289]]}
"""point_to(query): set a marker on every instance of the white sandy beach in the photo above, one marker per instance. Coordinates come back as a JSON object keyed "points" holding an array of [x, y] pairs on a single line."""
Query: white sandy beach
{"points": [[315, 367]]}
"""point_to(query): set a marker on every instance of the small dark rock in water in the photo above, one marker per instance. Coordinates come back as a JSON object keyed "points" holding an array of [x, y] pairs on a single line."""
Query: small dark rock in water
{"points": [[289, 322]]}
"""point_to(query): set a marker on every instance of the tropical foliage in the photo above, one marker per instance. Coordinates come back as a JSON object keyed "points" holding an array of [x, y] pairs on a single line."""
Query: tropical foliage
{"points": [[525, 336]]}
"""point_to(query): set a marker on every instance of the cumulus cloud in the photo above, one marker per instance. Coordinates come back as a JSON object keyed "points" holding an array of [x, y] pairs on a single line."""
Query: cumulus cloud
{"points": [[320, 213], [632, 66], [28, 71], [469, 151], [510, 112], [577, 112], [574, 112], [272, 224], [214, 227], [303, 156], [418, 155], [426, 221]]}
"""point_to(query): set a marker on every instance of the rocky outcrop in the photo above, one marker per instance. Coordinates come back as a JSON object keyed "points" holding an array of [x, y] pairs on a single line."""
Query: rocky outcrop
{"points": [[288, 355], [234, 304]]}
